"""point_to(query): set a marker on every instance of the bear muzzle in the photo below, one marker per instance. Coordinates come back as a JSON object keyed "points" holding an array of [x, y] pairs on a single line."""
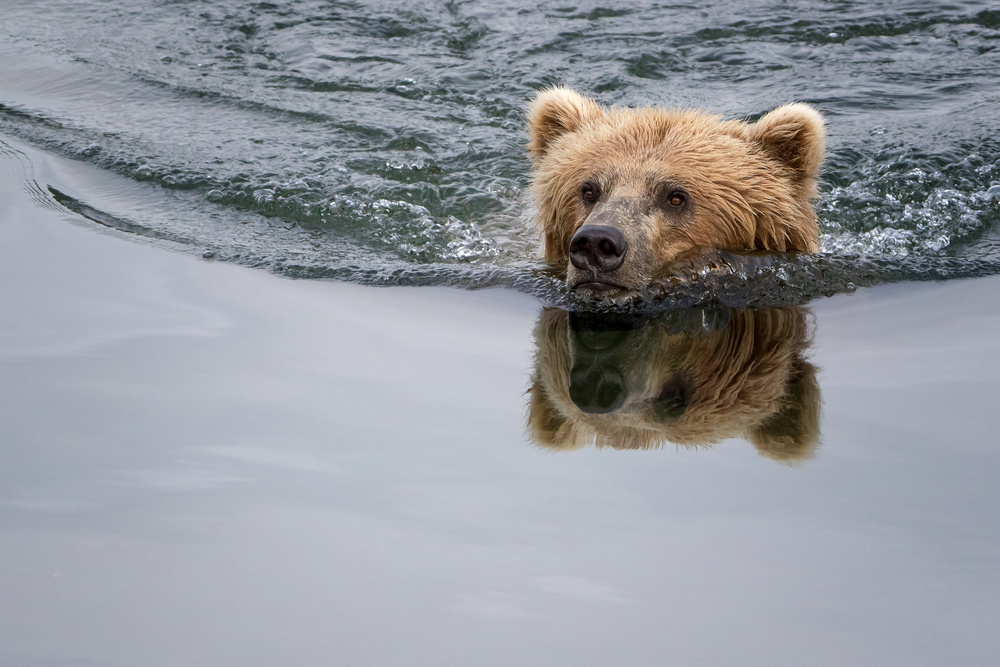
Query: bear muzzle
{"points": [[606, 252], [598, 248]]}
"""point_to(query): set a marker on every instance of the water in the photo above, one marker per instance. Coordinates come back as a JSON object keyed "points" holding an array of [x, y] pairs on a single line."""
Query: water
{"points": [[205, 465], [382, 142], [208, 466]]}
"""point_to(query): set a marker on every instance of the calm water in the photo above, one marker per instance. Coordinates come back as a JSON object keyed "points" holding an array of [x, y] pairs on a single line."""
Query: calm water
{"points": [[383, 142]]}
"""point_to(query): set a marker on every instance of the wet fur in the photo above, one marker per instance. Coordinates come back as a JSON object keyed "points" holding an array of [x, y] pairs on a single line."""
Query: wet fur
{"points": [[751, 185]]}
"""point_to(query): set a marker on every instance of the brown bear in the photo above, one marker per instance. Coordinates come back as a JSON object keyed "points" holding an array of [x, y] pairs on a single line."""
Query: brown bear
{"points": [[623, 192], [692, 378]]}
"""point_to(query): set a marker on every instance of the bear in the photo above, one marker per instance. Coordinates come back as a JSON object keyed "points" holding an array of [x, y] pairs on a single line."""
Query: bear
{"points": [[624, 192], [689, 377]]}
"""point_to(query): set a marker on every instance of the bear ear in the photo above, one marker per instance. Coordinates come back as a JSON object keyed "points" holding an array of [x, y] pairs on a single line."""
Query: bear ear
{"points": [[792, 134], [790, 435], [555, 112]]}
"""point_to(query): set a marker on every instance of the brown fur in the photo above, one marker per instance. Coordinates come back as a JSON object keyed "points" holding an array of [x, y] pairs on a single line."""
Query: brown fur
{"points": [[749, 185], [748, 379]]}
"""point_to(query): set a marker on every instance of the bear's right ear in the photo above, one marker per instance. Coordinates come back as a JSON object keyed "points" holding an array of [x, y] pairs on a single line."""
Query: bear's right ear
{"points": [[555, 112]]}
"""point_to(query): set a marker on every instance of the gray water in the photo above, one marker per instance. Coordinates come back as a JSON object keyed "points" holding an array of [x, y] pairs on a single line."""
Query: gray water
{"points": [[382, 142]]}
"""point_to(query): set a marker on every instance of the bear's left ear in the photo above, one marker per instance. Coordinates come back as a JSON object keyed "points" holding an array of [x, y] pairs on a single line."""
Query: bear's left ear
{"points": [[555, 112], [792, 134]]}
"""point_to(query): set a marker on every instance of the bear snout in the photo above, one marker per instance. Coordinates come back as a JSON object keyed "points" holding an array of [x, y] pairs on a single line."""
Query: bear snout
{"points": [[598, 248]]}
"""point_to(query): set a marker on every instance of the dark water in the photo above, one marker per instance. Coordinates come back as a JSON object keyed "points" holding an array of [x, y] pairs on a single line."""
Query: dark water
{"points": [[383, 142]]}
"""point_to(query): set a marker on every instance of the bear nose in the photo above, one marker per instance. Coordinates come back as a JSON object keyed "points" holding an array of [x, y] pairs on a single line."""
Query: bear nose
{"points": [[597, 247]]}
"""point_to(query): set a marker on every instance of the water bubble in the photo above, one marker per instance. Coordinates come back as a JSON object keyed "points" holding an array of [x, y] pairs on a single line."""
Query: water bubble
{"points": [[143, 173], [993, 192], [214, 195], [208, 254]]}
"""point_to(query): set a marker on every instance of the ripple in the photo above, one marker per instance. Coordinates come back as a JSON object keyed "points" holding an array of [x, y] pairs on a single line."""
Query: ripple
{"points": [[365, 142]]}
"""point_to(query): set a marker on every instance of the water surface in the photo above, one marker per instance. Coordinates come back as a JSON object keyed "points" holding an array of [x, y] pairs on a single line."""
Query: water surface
{"points": [[383, 143], [206, 465]]}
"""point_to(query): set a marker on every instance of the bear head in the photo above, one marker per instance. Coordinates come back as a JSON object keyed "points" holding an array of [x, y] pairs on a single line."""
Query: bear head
{"points": [[624, 192]]}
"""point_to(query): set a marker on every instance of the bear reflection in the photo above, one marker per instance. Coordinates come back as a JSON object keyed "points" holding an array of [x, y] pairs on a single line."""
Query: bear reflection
{"points": [[693, 377]]}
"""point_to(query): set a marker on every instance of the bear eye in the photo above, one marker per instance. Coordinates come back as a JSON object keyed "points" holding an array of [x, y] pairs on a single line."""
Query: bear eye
{"points": [[677, 198], [589, 192]]}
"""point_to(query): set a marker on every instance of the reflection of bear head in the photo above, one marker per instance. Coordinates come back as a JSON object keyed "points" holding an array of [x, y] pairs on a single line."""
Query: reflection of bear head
{"points": [[689, 377], [623, 192]]}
